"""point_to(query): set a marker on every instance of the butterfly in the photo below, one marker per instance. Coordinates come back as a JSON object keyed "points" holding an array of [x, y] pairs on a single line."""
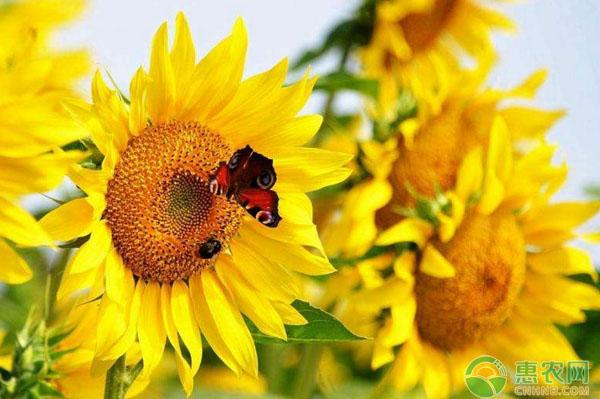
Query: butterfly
{"points": [[248, 178]]}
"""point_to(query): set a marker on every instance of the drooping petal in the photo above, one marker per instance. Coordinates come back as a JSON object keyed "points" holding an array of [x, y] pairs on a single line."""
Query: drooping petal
{"points": [[435, 264], [408, 230], [565, 260], [150, 328], [19, 226], [71, 220], [250, 301], [14, 269], [92, 253], [209, 327], [183, 368], [229, 322], [293, 257]]}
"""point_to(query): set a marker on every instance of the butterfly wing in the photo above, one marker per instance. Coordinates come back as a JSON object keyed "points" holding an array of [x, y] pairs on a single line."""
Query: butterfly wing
{"points": [[262, 204], [254, 170], [219, 182]]}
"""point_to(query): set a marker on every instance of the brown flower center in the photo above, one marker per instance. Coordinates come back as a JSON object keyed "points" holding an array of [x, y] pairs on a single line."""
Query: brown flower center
{"points": [[431, 163], [422, 29], [158, 204], [488, 253]]}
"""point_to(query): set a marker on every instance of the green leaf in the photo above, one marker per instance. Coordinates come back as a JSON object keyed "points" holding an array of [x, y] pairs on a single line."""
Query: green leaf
{"points": [[343, 80], [322, 327]]}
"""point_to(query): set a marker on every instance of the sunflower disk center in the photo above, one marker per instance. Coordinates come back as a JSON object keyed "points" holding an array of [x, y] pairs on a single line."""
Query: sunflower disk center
{"points": [[159, 207], [488, 253]]}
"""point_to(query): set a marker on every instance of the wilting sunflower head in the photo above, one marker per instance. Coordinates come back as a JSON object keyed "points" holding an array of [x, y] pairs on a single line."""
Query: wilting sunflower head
{"points": [[414, 46], [492, 265], [198, 212], [34, 80]]}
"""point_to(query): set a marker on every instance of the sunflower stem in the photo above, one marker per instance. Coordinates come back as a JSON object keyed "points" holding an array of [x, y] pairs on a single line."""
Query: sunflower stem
{"points": [[304, 385], [117, 380]]}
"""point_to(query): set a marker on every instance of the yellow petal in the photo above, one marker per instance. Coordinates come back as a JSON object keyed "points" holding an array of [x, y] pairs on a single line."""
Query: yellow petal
{"points": [[565, 260], [382, 355], [184, 370], [214, 82], [529, 123], [392, 292], [132, 311], [19, 226], [293, 257], [408, 230], [138, 117], [71, 220], [407, 369], [309, 169], [181, 307], [498, 167], [272, 279], [183, 56], [111, 112], [36, 174], [399, 325], [14, 269], [289, 233], [289, 314], [119, 279], [436, 375], [251, 302], [161, 89], [435, 264], [295, 132], [92, 253], [470, 174], [150, 328], [563, 216], [111, 326], [529, 87], [229, 322], [209, 327], [88, 180]]}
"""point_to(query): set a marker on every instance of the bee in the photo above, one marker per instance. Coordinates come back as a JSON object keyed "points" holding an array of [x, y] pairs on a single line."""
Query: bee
{"points": [[209, 248]]}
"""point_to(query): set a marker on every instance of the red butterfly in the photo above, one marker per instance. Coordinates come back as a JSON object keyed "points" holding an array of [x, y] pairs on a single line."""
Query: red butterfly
{"points": [[248, 178]]}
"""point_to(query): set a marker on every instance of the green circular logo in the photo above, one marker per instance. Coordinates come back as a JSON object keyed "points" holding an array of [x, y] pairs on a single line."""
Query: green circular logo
{"points": [[486, 377]]}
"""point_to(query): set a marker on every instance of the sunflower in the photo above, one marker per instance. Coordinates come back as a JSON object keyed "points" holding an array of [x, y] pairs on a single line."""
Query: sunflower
{"points": [[475, 256], [496, 283], [33, 83], [418, 45], [149, 211]]}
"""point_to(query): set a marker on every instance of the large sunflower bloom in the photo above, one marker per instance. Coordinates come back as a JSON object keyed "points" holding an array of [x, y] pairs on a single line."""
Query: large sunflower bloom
{"points": [[149, 207], [33, 82], [414, 45]]}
